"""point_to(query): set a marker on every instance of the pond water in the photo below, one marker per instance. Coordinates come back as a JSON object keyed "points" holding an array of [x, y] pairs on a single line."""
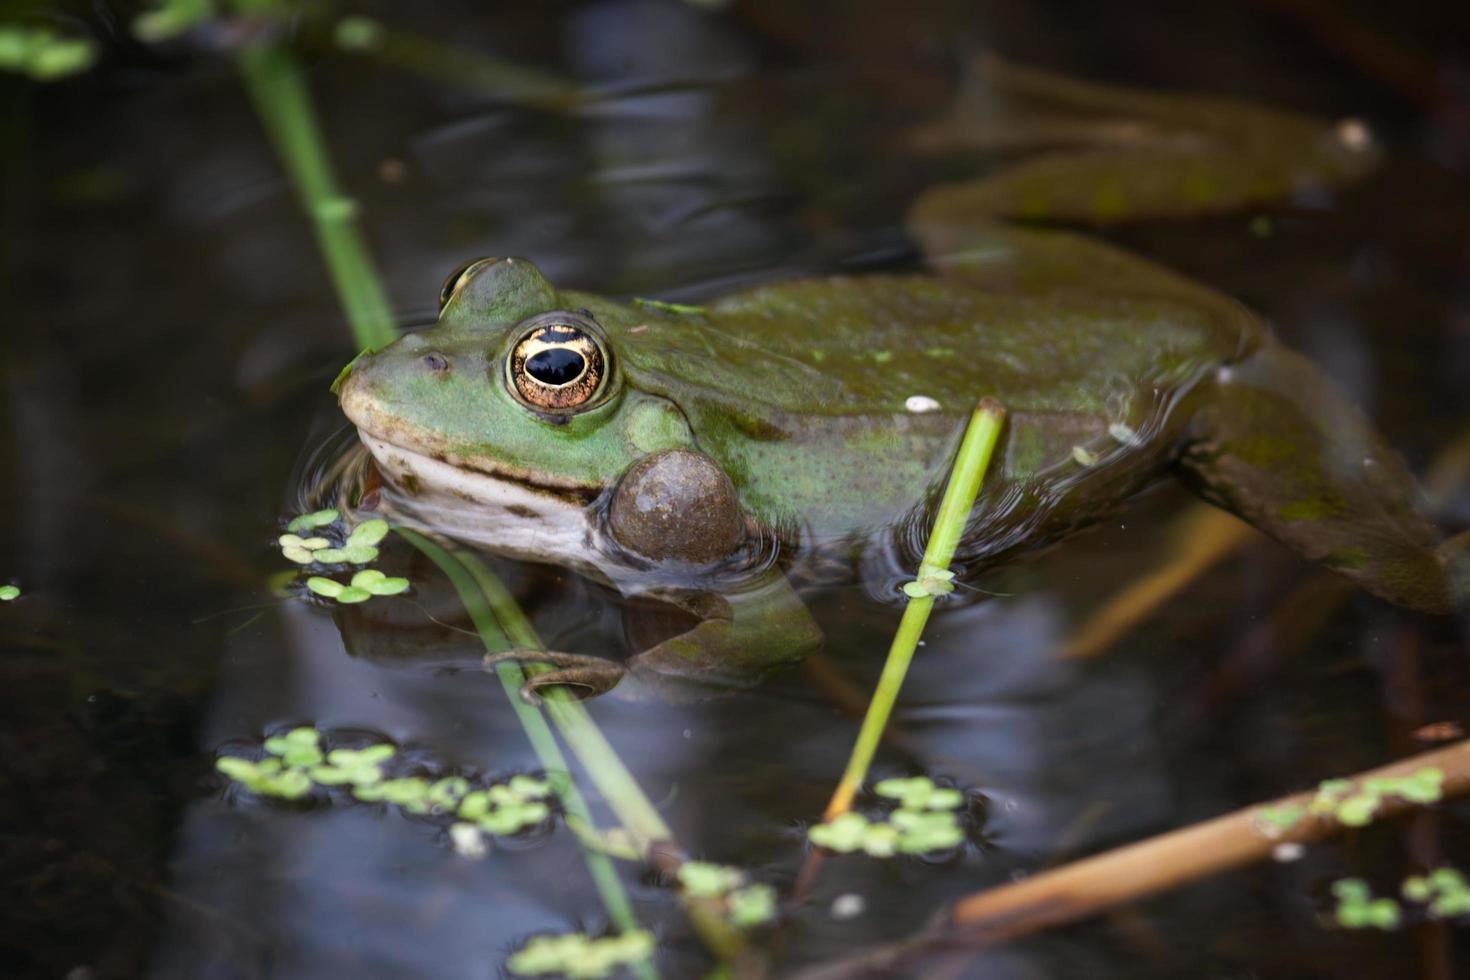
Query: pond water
{"points": [[171, 336]]}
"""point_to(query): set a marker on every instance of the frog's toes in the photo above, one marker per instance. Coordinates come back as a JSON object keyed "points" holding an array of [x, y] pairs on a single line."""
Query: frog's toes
{"points": [[588, 676]]}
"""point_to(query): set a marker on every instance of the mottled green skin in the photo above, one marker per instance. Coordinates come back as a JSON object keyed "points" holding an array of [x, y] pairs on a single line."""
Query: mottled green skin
{"points": [[800, 387]]}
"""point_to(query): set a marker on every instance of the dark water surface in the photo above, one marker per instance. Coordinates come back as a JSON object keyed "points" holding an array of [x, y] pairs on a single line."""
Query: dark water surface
{"points": [[170, 333]]}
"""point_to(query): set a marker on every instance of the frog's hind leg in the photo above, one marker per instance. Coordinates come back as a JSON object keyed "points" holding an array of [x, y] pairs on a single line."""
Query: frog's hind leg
{"points": [[1274, 441]]}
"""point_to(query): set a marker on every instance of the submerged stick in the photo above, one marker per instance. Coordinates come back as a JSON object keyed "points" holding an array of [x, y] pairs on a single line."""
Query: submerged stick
{"points": [[1127, 874], [969, 469], [1205, 535]]}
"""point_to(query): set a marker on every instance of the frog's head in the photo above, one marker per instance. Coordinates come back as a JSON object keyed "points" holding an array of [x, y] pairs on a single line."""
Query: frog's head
{"points": [[515, 398]]}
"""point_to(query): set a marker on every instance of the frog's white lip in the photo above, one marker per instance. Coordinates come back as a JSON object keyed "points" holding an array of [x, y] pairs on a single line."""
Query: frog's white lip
{"points": [[405, 437], [503, 515]]}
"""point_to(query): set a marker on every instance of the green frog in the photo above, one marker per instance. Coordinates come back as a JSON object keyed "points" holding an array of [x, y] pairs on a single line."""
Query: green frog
{"points": [[688, 453]]}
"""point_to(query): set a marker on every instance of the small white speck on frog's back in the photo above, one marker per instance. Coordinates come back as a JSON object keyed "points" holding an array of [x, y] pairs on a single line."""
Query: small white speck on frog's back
{"points": [[918, 404]]}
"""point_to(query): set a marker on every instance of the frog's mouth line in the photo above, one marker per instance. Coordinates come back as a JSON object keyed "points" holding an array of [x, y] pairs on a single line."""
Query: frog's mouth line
{"points": [[504, 515], [389, 432]]}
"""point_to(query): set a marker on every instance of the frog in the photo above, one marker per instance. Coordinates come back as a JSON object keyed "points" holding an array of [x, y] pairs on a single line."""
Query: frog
{"points": [[685, 453]]}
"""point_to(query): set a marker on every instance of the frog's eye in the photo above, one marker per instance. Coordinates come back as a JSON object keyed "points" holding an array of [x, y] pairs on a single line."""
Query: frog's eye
{"points": [[558, 365], [458, 277]]}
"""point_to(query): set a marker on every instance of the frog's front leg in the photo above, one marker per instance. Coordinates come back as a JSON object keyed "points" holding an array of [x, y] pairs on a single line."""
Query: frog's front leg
{"points": [[742, 636], [1274, 441], [589, 676]]}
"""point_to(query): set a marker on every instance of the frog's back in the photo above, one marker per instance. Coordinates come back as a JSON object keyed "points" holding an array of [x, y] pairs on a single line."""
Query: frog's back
{"points": [[836, 403]]}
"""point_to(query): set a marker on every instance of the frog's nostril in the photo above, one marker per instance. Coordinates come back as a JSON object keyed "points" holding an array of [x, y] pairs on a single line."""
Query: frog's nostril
{"points": [[437, 363]]}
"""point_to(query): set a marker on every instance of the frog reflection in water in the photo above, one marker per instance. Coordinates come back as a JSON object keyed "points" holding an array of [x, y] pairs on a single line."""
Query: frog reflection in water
{"points": [[672, 451]]}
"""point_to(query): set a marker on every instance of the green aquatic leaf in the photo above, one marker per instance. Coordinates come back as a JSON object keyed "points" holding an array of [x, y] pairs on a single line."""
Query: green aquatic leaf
{"points": [[706, 880], [351, 594], [577, 956], [936, 583], [297, 554], [529, 787], [475, 805], [358, 33], [880, 840], [368, 532], [9, 593], [752, 906], [843, 835], [1276, 820], [317, 518], [374, 581], [329, 588]]}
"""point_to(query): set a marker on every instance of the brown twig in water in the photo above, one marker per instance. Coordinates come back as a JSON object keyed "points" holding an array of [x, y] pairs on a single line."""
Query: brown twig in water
{"points": [[1127, 874]]}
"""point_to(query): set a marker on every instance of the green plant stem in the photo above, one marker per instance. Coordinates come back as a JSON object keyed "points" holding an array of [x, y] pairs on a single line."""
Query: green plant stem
{"points": [[969, 469], [558, 772], [274, 81], [501, 624], [501, 80]]}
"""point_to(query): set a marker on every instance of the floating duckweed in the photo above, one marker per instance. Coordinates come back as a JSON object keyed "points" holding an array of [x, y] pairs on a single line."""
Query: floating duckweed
{"points": [[703, 879], [365, 584], [925, 820], [920, 793], [579, 956], [1274, 821], [919, 832], [358, 34], [751, 906], [43, 54], [317, 518], [746, 905], [1083, 456], [298, 748], [9, 593], [171, 19], [935, 584], [368, 532], [296, 762], [843, 834], [1358, 909], [1444, 890], [882, 356]]}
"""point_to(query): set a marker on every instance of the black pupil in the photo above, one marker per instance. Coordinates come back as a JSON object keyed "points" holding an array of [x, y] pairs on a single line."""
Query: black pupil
{"points": [[555, 366]]}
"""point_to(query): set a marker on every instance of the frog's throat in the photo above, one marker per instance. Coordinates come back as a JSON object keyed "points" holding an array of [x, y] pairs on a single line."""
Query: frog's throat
{"points": [[502, 515]]}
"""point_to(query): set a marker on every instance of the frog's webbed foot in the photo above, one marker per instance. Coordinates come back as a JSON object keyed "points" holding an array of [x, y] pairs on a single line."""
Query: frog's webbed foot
{"points": [[586, 675]]}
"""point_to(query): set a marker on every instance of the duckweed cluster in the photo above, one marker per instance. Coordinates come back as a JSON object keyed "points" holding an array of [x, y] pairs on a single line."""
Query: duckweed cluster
{"points": [[9, 593], [365, 584], [579, 956], [746, 905], [1354, 804], [1358, 909], [357, 547], [42, 53], [320, 538], [1443, 894], [925, 820], [934, 584], [295, 764]]}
